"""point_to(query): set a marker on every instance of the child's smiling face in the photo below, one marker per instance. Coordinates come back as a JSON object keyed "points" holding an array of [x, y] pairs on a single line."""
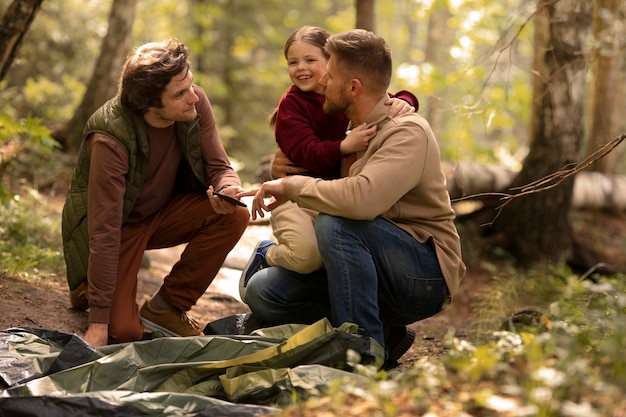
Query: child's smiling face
{"points": [[306, 64]]}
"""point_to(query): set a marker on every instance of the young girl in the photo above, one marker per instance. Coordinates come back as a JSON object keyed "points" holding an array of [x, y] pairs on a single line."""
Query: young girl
{"points": [[315, 141]]}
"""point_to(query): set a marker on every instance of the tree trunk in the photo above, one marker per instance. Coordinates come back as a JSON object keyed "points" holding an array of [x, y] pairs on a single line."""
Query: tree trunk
{"points": [[365, 14], [535, 227], [15, 24], [105, 77], [227, 66], [439, 38], [605, 92]]}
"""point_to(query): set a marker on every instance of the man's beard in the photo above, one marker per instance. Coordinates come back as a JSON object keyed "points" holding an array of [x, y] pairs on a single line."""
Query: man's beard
{"points": [[331, 107]]}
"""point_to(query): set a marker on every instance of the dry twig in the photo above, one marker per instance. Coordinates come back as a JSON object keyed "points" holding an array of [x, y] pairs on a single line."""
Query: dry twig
{"points": [[549, 181]]}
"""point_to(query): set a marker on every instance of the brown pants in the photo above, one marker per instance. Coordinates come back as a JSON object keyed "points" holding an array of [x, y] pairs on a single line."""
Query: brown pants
{"points": [[189, 218]]}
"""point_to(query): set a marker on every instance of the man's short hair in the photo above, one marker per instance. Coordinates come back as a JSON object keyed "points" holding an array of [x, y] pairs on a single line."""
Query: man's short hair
{"points": [[363, 55], [148, 70]]}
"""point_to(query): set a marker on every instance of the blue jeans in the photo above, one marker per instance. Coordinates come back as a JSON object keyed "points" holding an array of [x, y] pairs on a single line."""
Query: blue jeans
{"points": [[375, 275]]}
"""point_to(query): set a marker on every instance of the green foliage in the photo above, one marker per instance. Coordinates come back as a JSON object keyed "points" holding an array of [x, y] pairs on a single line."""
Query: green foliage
{"points": [[11, 130], [31, 244], [24, 146], [569, 363], [50, 100], [480, 86], [30, 233], [58, 51]]}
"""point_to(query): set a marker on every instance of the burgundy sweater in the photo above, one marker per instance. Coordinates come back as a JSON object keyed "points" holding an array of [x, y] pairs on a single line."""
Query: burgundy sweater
{"points": [[107, 185], [309, 137]]}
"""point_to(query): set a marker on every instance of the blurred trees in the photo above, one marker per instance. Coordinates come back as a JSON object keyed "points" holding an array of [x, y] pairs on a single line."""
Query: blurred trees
{"points": [[104, 79], [47, 78], [607, 88], [439, 39], [469, 63], [237, 57], [14, 25]]}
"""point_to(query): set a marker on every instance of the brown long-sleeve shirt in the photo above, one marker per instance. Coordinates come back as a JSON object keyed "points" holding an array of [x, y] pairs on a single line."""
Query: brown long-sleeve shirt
{"points": [[107, 187]]}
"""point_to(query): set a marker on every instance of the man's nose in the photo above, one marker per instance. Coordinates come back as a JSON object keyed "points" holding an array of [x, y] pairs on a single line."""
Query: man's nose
{"points": [[194, 97], [323, 79]]}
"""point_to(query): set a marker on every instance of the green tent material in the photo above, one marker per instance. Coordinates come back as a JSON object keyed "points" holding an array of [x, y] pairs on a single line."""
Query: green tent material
{"points": [[239, 375]]}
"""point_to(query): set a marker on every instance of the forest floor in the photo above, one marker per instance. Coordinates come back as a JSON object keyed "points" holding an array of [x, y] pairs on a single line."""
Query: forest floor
{"points": [[43, 301]]}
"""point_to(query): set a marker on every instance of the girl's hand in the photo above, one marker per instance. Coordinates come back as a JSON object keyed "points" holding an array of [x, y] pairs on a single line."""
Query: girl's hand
{"points": [[397, 107], [357, 139]]}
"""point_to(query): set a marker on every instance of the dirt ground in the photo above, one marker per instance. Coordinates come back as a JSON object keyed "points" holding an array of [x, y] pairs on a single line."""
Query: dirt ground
{"points": [[43, 302]]}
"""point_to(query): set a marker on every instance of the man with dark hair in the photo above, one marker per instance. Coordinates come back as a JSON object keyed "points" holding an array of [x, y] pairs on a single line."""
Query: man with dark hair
{"points": [[386, 232], [146, 171]]}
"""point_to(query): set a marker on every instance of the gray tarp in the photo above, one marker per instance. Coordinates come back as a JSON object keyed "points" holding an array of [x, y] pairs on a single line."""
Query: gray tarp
{"points": [[238, 375]]}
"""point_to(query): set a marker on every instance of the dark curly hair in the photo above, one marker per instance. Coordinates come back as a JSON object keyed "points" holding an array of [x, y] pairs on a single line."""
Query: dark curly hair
{"points": [[148, 70]]}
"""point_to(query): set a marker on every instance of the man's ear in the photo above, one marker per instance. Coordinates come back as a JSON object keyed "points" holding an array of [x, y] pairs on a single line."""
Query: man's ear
{"points": [[355, 86]]}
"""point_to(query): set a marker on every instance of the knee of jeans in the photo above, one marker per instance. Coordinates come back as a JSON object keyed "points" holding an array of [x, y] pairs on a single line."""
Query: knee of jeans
{"points": [[253, 297], [323, 227]]}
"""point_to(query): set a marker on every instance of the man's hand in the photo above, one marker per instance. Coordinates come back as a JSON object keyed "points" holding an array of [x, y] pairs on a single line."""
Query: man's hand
{"points": [[274, 188], [97, 334], [397, 107], [281, 166], [220, 206]]}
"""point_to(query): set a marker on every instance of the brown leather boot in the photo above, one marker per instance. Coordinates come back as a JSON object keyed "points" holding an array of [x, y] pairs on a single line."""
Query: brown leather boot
{"points": [[78, 297]]}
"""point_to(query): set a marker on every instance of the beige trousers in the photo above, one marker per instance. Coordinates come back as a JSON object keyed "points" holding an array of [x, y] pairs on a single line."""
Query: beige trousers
{"points": [[294, 231]]}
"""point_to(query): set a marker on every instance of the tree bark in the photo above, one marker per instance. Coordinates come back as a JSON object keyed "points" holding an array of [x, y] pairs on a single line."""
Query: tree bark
{"points": [[439, 37], [15, 24], [535, 228], [365, 14], [104, 80], [606, 85]]}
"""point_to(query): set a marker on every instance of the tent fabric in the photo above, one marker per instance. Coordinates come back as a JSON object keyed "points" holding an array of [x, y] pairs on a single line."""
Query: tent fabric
{"points": [[246, 375]]}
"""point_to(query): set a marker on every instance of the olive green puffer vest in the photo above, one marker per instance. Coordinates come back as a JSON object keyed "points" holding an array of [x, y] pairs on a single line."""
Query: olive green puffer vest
{"points": [[113, 120]]}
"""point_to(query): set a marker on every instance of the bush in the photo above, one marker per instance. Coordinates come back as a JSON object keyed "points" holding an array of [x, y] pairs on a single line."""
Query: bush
{"points": [[568, 361], [31, 230], [29, 221], [24, 149]]}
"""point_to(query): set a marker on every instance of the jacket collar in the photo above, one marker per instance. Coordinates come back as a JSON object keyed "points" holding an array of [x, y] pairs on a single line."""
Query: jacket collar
{"points": [[378, 114]]}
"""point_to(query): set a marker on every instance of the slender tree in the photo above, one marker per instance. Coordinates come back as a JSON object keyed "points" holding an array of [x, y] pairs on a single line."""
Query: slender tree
{"points": [[439, 37], [365, 14], [104, 79], [536, 227], [14, 25], [607, 89]]}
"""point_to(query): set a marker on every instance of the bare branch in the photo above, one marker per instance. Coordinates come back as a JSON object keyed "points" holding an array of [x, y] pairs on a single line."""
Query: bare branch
{"points": [[549, 181]]}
